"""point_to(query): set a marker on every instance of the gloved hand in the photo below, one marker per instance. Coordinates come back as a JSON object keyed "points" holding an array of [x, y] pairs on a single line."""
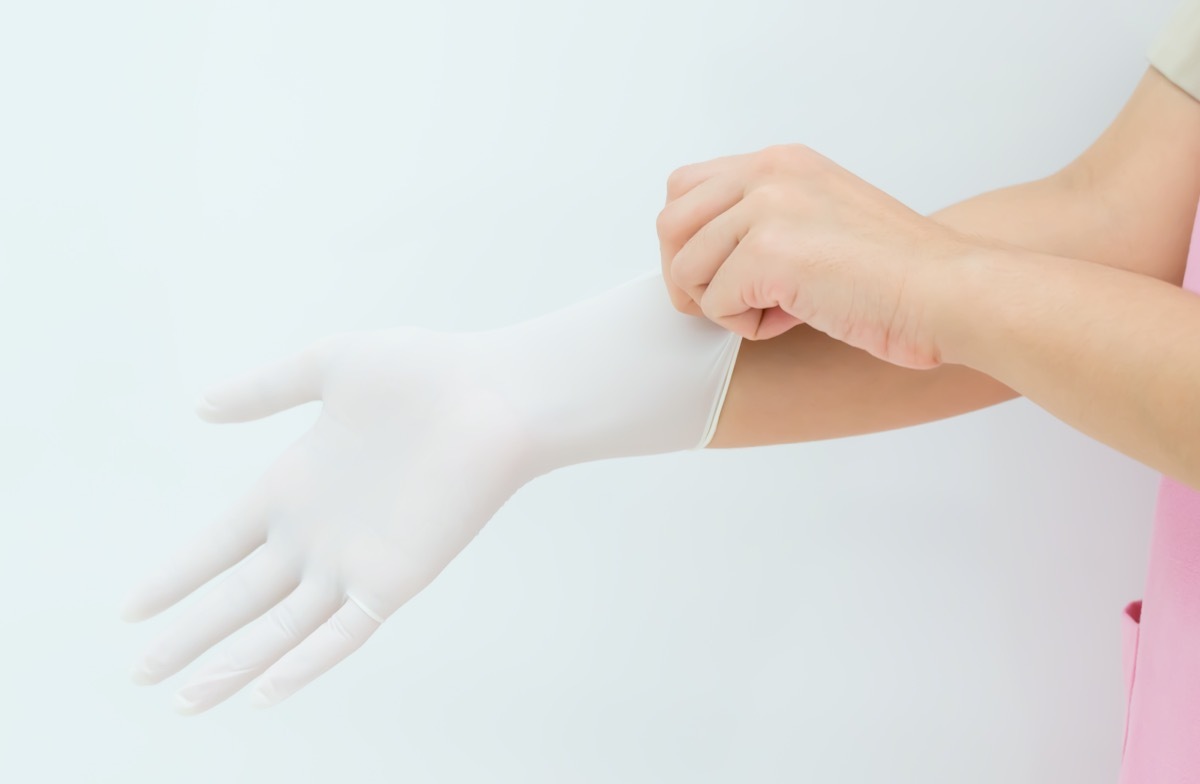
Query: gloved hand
{"points": [[421, 437]]}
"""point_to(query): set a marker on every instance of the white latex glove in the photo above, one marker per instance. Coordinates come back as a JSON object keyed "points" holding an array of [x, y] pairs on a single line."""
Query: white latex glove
{"points": [[422, 436]]}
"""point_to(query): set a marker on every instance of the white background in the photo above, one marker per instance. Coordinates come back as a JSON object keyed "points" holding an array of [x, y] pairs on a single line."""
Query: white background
{"points": [[189, 189]]}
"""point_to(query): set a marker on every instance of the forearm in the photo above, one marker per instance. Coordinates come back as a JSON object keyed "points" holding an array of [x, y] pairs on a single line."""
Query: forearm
{"points": [[1112, 353], [1126, 202], [806, 386]]}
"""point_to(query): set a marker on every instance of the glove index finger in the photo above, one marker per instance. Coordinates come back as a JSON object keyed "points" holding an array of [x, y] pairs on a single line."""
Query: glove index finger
{"points": [[234, 536]]}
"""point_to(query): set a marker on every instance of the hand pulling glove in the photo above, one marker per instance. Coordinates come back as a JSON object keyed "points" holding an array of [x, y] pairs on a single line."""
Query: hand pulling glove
{"points": [[421, 437]]}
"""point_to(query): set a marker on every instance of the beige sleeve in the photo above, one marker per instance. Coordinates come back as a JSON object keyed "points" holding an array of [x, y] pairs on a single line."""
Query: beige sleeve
{"points": [[1176, 51]]}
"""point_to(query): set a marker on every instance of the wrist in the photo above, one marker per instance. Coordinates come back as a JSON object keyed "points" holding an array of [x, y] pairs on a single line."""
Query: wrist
{"points": [[983, 291], [619, 374]]}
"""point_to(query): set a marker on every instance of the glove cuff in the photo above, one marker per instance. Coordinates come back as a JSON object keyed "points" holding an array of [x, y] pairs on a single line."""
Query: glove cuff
{"points": [[617, 375]]}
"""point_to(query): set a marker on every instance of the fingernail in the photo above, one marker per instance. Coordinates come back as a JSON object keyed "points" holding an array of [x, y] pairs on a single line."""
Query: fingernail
{"points": [[204, 408], [184, 705], [141, 674], [191, 695], [258, 699]]}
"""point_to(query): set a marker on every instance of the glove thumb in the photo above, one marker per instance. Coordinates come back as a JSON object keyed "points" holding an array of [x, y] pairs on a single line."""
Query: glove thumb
{"points": [[268, 390]]}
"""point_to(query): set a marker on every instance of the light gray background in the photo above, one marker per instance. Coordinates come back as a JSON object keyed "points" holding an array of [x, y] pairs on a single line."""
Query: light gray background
{"points": [[189, 189]]}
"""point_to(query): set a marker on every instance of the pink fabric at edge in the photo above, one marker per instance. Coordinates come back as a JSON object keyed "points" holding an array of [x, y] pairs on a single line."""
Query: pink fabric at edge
{"points": [[1161, 633]]}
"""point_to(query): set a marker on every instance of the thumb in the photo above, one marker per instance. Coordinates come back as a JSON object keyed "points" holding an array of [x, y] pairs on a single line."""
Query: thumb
{"points": [[267, 390]]}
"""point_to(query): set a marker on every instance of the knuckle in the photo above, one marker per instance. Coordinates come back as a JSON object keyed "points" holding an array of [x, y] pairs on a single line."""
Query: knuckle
{"points": [[772, 194], [664, 224], [766, 240], [677, 180], [776, 156], [792, 156]]}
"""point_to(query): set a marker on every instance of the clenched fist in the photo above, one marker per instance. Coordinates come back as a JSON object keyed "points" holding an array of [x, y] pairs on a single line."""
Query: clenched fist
{"points": [[764, 241]]}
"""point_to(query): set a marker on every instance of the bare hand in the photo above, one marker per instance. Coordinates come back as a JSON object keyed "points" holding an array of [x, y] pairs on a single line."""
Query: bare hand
{"points": [[764, 241]]}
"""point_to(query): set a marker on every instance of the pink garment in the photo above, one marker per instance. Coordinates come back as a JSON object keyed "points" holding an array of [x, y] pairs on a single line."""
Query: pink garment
{"points": [[1161, 633]]}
